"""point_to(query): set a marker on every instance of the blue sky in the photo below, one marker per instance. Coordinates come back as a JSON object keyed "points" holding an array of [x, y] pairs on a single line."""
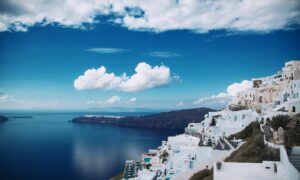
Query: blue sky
{"points": [[38, 67]]}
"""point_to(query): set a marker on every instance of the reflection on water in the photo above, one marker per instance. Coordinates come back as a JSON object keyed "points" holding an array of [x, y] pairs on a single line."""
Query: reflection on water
{"points": [[94, 161], [91, 161], [49, 147], [97, 154]]}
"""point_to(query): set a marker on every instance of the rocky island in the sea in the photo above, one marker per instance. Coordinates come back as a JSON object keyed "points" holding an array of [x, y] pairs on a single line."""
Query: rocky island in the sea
{"points": [[20, 117], [171, 120], [3, 119]]}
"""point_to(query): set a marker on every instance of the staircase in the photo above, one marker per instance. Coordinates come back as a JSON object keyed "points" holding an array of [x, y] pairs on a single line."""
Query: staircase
{"points": [[295, 160]]}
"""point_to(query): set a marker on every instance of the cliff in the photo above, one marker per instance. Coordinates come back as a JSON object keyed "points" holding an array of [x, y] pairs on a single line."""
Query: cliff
{"points": [[167, 120]]}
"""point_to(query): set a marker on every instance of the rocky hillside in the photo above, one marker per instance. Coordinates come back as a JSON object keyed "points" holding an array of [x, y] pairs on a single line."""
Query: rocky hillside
{"points": [[254, 149], [169, 120]]}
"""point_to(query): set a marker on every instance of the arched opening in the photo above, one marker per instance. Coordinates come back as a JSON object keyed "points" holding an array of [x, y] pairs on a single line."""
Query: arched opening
{"points": [[294, 109]]}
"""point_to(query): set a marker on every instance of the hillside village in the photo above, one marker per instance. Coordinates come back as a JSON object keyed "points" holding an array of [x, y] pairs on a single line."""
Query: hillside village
{"points": [[267, 114]]}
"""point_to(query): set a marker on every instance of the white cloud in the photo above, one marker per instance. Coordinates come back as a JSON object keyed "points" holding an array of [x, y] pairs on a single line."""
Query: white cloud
{"points": [[113, 100], [163, 54], [222, 98], [91, 102], [107, 102], [180, 103], [4, 98], [106, 50], [219, 97], [215, 101], [132, 100], [154, 15], [14, 102], [145, 77], [235, 88]]}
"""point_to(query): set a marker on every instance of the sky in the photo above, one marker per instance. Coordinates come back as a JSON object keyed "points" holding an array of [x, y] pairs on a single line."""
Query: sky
{"points": [[140, 54]]}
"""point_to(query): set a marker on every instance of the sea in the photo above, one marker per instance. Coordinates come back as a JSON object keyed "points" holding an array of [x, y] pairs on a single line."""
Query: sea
{"points": [[50, 147]]}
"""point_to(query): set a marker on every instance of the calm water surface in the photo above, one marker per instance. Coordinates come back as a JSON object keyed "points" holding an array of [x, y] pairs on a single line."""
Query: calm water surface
{"points": [[49, 147]]}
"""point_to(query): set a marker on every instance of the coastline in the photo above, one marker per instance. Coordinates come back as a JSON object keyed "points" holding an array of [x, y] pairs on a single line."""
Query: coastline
{"points": [[166, 120]]}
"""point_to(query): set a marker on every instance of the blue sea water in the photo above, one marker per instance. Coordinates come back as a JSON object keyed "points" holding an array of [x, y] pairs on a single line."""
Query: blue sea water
{"points": [[47, 146]]}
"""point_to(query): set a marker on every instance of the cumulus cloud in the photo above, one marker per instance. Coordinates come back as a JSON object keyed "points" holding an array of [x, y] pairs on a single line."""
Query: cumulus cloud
{"points": [[106, 50], [222, 99], [113, 100], [163, 54], [154, 15], [235, 88], [145, 77]]}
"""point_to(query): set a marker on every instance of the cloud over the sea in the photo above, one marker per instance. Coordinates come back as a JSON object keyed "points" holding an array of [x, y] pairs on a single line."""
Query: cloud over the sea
{"points": [[222, 99], [111, 102], [106, 50], [145, 77], [163, 54], [154, 15]]}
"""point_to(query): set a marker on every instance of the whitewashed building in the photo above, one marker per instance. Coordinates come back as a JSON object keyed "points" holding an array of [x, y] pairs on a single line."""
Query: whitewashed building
{"points": [[267, 170]]}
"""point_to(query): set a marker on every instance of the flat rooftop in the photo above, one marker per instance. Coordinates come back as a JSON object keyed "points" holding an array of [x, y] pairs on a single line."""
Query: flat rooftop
{"points": [[245, 171]]}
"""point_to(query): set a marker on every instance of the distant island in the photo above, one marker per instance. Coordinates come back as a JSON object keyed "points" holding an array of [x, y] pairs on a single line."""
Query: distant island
{"points": [[178, 119], [20, 117], [3, 119]]}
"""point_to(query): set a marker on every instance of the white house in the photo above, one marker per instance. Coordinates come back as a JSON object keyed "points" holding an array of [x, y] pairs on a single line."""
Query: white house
{"points": [[267, 170]]}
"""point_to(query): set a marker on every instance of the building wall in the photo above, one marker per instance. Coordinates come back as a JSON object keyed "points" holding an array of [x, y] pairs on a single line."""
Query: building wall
{"points": [[290, 172]]}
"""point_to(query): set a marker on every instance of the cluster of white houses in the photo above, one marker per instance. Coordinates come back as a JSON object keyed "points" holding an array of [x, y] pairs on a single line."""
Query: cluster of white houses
{"points": [[203, 144], [280, 91]]}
